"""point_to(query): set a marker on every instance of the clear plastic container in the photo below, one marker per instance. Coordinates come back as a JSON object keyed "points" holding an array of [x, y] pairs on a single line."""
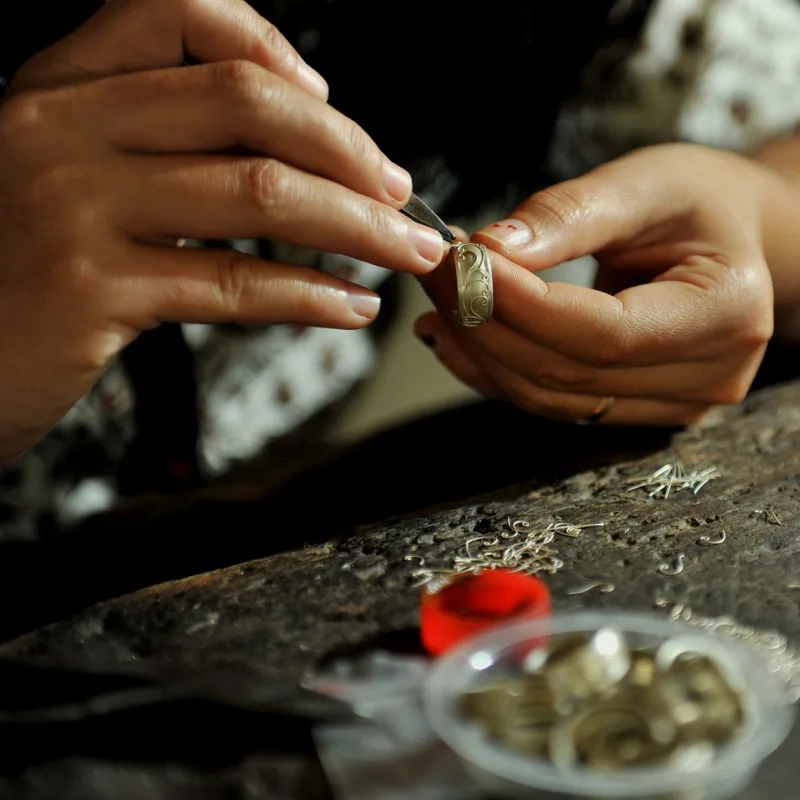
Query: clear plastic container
{"points": [[509, 774]]}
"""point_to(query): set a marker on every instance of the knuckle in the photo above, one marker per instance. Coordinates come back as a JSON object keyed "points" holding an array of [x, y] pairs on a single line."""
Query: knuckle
{"points": [[562, 377], [750, 290], [281, 53], [380, 221], [64, 186], [564, 206], [239, 81], [757, 328], [756, 334], [378, 226], [57, 193], [22, 116], [74, 274], [609, 352], [360, 146], [65, 196], [77, 272], [270, 188], [235, 277], [309, 303]]}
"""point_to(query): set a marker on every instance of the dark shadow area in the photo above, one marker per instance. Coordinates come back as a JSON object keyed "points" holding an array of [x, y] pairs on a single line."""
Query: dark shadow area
{"points": [[403, 641], [194, 733], [207, 721]]}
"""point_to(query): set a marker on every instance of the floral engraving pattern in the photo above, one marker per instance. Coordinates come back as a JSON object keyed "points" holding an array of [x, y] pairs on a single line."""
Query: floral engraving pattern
{"points": [[475, 292]]}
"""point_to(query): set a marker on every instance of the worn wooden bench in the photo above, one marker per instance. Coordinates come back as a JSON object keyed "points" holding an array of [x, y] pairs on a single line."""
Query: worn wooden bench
{"points": [[280, 582]]}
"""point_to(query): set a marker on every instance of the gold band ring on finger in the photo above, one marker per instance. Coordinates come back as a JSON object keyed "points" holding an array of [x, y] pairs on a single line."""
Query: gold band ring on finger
{"points": [[474, 283], [605, 406]]}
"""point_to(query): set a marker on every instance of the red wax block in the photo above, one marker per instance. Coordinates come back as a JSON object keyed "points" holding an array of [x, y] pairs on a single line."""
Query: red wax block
{"points": [[470, 604]]}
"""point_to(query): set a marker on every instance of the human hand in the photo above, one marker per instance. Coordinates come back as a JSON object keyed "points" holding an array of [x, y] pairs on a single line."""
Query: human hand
{"points": [[681, 312], [111, 152]]}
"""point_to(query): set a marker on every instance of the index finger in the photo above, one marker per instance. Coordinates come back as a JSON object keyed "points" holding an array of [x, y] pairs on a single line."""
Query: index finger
{"points": [[136, 35], [695, 309]]}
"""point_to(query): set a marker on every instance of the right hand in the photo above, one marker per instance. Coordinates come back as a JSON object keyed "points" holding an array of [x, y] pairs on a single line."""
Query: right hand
{"points": [[110, 152]]}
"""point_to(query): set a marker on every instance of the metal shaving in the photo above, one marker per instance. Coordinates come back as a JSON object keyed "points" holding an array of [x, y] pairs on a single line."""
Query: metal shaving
{"points": [[672, 478], [773, 647], [520, 549]]}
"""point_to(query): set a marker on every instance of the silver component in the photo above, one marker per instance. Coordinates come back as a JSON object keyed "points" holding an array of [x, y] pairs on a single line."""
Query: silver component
{"points": [[588, 700], [474, 283], [573, 531], [673, 478], [665, 568], [603, 588]]}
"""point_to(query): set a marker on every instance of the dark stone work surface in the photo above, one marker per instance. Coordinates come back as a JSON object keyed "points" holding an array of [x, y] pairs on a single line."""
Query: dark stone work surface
{"points": [[347, 584]]}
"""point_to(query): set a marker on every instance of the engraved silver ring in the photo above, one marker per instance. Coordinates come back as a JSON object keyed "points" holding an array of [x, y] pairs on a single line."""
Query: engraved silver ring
{"points": [[474, 281]]}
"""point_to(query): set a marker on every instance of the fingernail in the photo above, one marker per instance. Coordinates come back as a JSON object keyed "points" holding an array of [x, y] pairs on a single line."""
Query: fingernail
{"points": [[312, 81], [396, 181], [428, 243], [511, 232], [428, 340], [365, 305]]}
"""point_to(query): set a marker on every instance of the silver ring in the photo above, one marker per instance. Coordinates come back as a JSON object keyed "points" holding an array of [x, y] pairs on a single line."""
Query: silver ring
{"points": [[474, 281]]}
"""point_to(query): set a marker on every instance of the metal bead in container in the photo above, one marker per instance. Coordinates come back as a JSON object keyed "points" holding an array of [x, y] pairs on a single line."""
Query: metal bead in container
{"points": [[582, 670], [704, 698], [590, 701]]}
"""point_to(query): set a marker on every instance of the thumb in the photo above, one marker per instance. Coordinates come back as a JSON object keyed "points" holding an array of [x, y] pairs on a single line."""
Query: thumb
{"points": [[610, 206]]}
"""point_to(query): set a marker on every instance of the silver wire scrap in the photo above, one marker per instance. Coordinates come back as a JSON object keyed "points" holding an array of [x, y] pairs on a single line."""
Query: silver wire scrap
{"points": [[666, 568], [673, 478], [603, 588], [520, 549], [707, 540]]}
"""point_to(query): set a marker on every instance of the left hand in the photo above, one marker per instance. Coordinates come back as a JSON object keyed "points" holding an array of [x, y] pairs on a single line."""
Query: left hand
{"points": [[681, 312]]}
